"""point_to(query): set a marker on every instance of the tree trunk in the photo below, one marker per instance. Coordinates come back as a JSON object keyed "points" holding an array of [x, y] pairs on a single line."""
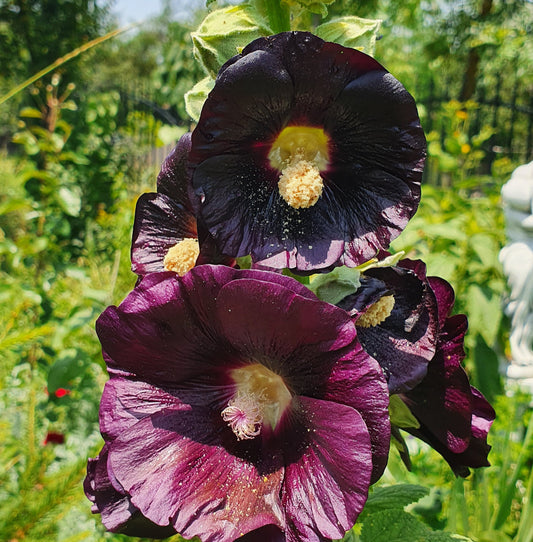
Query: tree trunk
{"points": [[472, 63]]}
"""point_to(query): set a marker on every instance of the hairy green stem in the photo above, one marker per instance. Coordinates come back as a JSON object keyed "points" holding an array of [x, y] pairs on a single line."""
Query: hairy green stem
{"points": [[61, 61], [279, 15]]}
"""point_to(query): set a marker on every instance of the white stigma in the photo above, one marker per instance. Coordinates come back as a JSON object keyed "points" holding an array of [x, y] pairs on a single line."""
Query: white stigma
{"points": [[243, 416], [261, 397]]}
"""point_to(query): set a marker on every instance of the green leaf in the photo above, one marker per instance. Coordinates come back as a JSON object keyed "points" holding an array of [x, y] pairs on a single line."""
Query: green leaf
{"points": [[394, 497], [30, 113], [452, 229], [335, 286], [494, 536], [442, 264], [484, 312], [69, 365], [399, 526], [25, 337], [77, 319], [351, 31], [487, 364], [486, 249], [297, 6], [389, 261], [195, 98], [70, 200], [224, 33], [25, 138], [41, 174], [74, 157], [170, 134], [13, 205], [400, 415], [393, 526], [350, 536]]}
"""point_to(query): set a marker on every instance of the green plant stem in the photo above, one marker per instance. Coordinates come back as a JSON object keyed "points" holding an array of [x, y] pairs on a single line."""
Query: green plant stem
{"points": [[62, 60], [461, 507], [525, 529], [506, 497], [279, 15]]}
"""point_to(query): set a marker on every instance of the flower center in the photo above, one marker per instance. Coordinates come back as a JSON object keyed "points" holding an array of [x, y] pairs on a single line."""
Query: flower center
{"points": [[377, 313], [182, 256], [300, 153], [261, 399]]}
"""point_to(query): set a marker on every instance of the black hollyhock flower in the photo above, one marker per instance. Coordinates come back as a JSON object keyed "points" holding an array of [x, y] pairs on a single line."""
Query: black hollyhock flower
{"points": [[166, 233], [307, 154], [395, 312], [454, 417]]}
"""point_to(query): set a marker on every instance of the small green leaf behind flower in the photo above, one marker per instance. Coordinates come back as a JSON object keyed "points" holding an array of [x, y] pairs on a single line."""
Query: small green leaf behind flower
{"points": [[336, 285], [224, 33], [400, 414], [195, 98], [351, 31], [297, 6]]}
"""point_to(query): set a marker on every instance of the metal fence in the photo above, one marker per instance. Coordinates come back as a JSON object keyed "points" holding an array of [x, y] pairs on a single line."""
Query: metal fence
{"points": [[502, 103]]}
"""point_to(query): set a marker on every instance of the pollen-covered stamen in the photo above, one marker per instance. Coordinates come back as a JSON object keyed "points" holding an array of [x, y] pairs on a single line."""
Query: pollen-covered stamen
{"points": [[182, 257], [300, 154], [243, 416], [260, 400], [300, 183], [376, 313]]}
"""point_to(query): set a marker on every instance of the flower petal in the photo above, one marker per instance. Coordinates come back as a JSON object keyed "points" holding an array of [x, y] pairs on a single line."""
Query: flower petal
{"points": [[124, 402], [160, 223], [326, 486], [269, 533], [155, 333], [405, 342], [302, 54], [359, 383], [175, 467], [118, 514], [241, 113], [443, 400], [445, 297], [476, 453], [166, 330], [299, 338], [174, 178]]}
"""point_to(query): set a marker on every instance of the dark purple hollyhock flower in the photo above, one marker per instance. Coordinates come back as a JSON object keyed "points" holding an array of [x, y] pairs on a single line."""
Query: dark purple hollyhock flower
{"points": [[395, 312], [118, 514], [307, 154], [239, 405], [166, 235], [454, 417]]}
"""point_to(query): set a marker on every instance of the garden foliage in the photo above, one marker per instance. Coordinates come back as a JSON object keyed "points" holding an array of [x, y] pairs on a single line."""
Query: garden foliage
{"points": [[71, 167]]}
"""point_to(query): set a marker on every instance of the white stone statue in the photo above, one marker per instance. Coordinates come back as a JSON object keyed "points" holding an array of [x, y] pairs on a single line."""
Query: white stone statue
{"points": [[517, 261]]}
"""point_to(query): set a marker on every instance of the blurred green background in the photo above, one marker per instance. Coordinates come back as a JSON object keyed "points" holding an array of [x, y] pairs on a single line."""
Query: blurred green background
{"points": [[79, 146]]}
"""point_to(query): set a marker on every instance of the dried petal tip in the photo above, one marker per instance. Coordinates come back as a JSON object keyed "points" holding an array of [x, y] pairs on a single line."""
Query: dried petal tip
{"points": [[182, 257], [377, 313]]}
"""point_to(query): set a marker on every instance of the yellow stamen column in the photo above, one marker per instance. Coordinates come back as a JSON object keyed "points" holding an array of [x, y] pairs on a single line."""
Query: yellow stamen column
{"points": [[182, 257], [300, 154]]}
